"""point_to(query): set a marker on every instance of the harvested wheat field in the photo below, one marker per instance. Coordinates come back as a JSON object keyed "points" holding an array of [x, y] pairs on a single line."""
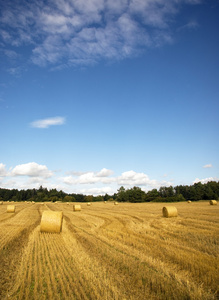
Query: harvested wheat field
{"points": [[128, 251]]}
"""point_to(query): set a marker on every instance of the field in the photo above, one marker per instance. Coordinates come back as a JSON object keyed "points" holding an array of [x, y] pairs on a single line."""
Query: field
{"points": [[107, 251]]}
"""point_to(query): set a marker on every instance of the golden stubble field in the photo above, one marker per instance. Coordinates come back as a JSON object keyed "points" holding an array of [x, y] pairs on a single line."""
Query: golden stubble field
{"points": [[127, 251]]}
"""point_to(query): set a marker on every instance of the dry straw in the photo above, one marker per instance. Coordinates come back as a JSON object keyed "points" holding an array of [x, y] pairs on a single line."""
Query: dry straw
{"points": [[76, 207], [51, 221], [213, 202], [1, 203], [115, 203], [189, 201], [170, 211], [10, 208], [88, 204]]}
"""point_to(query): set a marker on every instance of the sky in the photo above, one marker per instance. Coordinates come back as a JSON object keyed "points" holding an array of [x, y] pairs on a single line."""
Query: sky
{"points": [[99, 94]]}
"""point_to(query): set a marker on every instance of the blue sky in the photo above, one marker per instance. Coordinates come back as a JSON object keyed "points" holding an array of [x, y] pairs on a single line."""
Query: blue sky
{"points": [[98, 94]]}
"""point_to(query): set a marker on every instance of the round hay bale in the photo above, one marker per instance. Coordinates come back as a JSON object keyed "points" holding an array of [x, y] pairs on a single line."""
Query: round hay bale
{"points": [[115, 203], [213, 202], [10, 208], [189, 201], [76, 207], [169, 211], [51, 221], [88, 204], [1, 203]]}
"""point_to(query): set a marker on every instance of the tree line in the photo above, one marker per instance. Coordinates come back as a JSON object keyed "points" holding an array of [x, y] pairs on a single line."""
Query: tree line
{"points": [[195, 192]]}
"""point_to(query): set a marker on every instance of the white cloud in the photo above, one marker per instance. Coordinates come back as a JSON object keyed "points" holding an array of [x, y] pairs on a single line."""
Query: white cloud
{"points": [[205, 180], [97, 191], [90, 177], [31, 169], [68, 32], [104, 173], [32, 175], [87, 178], [45, 123], [207, 166], [132, 178], [3, 171], [129, 178]]}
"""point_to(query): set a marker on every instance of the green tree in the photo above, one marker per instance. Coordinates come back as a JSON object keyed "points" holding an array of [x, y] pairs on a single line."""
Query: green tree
{"points": [[135, 194], [122, 196], [98, 198], [166, 191], [53, 199], [69, 199], [89, 198], [152, 195]]}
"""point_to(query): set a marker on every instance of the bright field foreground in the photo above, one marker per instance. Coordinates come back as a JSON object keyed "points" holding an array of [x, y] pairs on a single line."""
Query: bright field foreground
{"points": [[128, 251]]}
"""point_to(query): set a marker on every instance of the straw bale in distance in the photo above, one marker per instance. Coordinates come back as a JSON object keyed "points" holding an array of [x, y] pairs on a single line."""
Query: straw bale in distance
{"points": [[10, 208], [213, 202], [88, 204], [189, 201], [115, 203], [170, 211], [51, 221], [1, 203], [76, 207]]}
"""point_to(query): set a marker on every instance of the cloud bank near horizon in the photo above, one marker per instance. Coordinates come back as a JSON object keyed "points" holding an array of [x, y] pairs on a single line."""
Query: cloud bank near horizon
{"points": [[33, 175], [67, 33]]}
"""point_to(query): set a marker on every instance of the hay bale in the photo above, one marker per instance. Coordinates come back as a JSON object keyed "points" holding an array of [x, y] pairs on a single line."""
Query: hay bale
{"points": [[1, 202], [76, 207], [10, 208], [170, 211], [115, 203], [88, 204], [189, 201], [213, 202], [51, 221]]}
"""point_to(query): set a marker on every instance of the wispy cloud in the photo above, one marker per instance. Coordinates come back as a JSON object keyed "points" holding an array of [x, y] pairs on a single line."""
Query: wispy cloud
{"points": [[68, 32], [190, 25], [207, 166], [45, 123]]}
